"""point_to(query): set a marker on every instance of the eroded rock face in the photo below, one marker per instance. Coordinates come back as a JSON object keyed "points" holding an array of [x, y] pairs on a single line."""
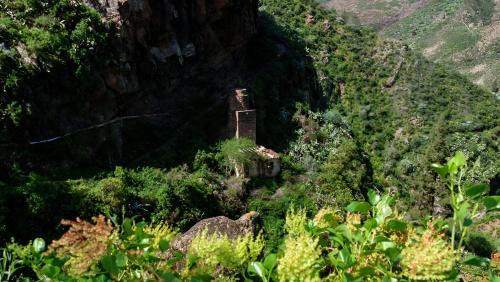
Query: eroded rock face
{"points": [[171, 63], [176, 33], [233, 229]]}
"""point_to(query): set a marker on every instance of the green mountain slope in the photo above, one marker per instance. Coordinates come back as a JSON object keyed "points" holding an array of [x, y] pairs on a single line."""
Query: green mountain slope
{"points": [[462, 34], [404, 110], [366, 118]]}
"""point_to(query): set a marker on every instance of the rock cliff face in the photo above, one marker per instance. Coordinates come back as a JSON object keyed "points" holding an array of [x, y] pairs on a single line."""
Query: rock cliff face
{"points": [[175, 39], [172, 62]]}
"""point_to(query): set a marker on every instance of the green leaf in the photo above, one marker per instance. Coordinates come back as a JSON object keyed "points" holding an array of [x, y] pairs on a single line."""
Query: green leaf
{"points": [[192, 261], [396, 225], [164, 245], [386, 245], [493, 277], [462, 211], [55, 261], [442, 170], [39, 245], [477, 261], [344, 231], [393, 254], [257, 268], [170, 277], [383, 211], [373, 197], [121, 260], [100, 278], [366, 271], [109, 264], [270, 261], [476, 190], [127, 227], [467, 222], [380, 238], [455, 163], [370, 224], [178, 256], [387, 278], [440, 224], [360, 207], [492, 203], [346, 277], [51, 271], [458, 160], [345, 259]]}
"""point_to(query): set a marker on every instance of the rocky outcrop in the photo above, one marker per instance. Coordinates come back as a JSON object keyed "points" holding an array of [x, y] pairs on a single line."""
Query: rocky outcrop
{"points": [[175, 33], [221, 225], [171, 64], [161, 89]]}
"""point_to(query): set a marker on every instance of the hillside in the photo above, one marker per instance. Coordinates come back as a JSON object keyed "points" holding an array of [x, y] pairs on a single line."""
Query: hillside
{"points": [[462, 34], [378, 14], [386, 158]]}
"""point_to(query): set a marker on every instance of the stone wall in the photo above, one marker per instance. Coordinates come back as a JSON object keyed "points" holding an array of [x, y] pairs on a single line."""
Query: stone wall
{"points": [[238, 101], [246, 124]]}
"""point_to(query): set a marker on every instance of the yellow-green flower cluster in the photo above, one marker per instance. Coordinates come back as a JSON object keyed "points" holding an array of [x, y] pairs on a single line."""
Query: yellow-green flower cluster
{"points": [[215, 250], [300, 259], [326, 218], [427, 257], [296, 222], [160, 232]]}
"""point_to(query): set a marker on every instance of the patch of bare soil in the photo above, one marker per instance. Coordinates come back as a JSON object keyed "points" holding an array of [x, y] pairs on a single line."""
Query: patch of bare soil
{"points": [[478, 68], [431, 51]]}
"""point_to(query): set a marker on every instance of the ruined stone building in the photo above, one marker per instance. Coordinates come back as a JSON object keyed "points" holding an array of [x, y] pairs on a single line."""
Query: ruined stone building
{"points": [[243, 124]]}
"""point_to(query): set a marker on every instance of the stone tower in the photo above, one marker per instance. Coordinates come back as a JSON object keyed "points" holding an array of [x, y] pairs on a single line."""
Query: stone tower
{"points": [[242, 119]]}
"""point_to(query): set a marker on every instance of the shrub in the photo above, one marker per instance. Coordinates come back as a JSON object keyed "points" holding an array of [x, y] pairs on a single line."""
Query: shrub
{"points": [[214, 251], [300, 259], [45, 37], [428, 257], [237, 153], [371, 242]]}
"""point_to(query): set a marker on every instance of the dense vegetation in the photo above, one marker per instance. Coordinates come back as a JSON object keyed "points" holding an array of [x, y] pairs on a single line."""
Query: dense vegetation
{"points": [[369, 242], [403, 110], [42, 37], [358, 165]]}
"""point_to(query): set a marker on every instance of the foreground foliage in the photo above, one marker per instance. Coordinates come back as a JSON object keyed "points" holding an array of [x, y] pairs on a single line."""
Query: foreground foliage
{"points": [[368, 241]]}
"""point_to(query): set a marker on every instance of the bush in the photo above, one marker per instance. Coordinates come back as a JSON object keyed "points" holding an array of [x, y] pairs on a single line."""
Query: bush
{"points": [[237, 153], [38, 37], [371, 241]]}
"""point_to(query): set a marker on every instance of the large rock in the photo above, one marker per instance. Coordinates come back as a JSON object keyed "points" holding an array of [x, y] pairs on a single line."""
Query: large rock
{"points": [[221, 225]]}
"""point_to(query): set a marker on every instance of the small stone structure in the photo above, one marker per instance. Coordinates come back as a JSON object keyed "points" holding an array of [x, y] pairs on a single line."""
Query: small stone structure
{"points": [[242, 119], [267, 163], [243, 124], [246, 124]]}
